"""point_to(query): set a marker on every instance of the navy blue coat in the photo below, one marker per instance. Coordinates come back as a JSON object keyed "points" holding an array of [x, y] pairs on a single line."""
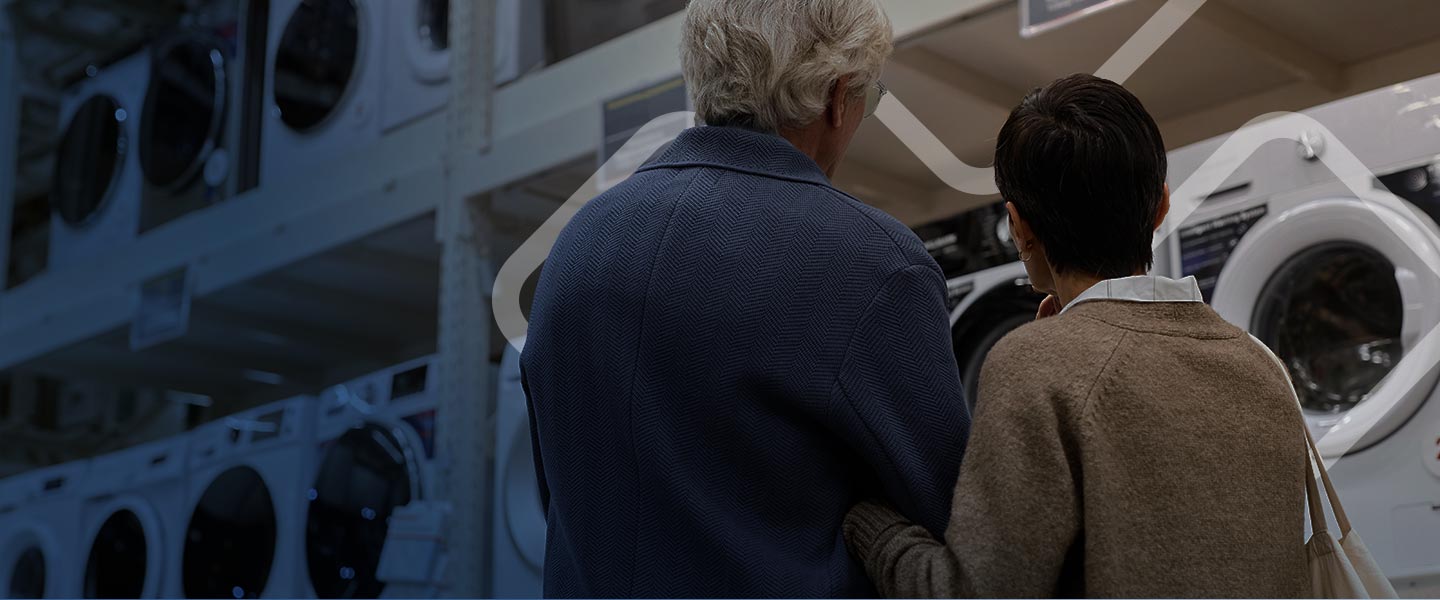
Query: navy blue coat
{"points": [[725, 354]]}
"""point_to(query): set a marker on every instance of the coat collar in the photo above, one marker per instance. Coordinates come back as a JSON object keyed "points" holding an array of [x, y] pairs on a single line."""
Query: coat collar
{"points": [[742, 150]]}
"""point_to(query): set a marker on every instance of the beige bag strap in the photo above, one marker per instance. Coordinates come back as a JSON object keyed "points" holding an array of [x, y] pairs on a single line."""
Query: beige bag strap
{"points": [[1316, 464]]}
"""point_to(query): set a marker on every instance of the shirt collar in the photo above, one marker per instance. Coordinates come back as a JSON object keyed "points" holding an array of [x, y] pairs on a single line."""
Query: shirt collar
{"points": [[739, 149], [1141, 288]]}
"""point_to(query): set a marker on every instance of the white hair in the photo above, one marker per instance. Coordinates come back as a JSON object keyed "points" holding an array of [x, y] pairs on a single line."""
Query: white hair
{"points": [[772, 64]]}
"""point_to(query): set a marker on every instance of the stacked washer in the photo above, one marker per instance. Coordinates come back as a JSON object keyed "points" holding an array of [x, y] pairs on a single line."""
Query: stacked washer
{"points": [[322, 79], [40, 532], [1339, 283], [188, 146], [417, 53], [988, 291], [519, 552], [246, 503], [131, 522], [375, 451], [96, 190]]}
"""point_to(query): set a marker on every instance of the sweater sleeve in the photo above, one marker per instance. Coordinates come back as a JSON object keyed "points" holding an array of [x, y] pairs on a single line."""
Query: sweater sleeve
{"points": [[900, 404], [1016, 512]]}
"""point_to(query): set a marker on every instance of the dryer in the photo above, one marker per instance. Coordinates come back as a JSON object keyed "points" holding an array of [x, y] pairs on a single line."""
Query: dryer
{"points": [[1339, 286], [245, 507], [131, 522], [417, 53], [518, 557], [374, 452], [190, 125], [988, 292], [96, 189], [40, 532], [322, 83]]}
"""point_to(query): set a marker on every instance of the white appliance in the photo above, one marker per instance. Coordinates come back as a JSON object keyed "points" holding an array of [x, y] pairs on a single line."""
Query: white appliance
{"points": [[322, 83], [375, 452], [1336, 282], [988, 291], [191, 122], [246, 503], [40, 554], [95, 194], [132, 522], [518, 557], [417, 53]]}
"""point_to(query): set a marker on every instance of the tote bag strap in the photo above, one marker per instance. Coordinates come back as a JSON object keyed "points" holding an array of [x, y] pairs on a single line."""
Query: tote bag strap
{"points": [[1316, 464]]}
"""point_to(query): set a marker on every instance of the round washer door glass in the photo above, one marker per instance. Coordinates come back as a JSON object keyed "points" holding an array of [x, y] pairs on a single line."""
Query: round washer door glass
{"points": [[435, 23], [1334, 314], [183, 111], [365, 475], [89, 160], [316, 61], [230, 542], [118, 557], [27, 575]]}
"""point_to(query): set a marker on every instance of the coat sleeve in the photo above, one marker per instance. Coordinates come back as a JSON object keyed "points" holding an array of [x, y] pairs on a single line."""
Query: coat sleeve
{"points": [[1016, 514], [899, 400]]}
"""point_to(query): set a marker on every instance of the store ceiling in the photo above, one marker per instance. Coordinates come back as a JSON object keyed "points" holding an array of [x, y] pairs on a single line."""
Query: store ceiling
{"points": [[1235, 60]]}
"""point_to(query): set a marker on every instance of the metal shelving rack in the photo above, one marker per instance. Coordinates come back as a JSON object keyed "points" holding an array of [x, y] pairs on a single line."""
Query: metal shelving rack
{"points": [[257, 311]]}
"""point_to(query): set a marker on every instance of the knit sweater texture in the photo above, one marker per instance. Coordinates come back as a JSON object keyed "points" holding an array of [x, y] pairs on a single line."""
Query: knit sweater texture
{"points": [[1121, 449]]}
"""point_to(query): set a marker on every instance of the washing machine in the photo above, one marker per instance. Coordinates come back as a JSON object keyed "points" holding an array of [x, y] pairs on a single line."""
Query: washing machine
{"points": [[245, 508], [417, 53], [374, 452], [1337, 282], [96, 190], [322, 83], [988, 292], [131, 522], [189, 150], [519, 553], [40, 532]]}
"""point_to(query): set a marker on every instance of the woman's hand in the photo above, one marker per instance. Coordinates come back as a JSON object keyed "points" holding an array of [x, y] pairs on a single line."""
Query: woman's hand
{"points": [[1048, 308]]}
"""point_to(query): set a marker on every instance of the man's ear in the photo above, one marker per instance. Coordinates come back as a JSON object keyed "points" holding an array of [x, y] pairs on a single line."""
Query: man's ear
{"points": [[1164, 208], [1020, 232], [840, 99]]}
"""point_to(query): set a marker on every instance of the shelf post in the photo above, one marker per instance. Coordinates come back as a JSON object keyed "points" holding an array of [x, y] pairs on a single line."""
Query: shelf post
{"points": [[467, 385]]}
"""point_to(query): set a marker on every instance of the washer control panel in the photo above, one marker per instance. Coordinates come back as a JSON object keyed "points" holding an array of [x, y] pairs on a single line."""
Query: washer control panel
{"points": [[1206, 247]]}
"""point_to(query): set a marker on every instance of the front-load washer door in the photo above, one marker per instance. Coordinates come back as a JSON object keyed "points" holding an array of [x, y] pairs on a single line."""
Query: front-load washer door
{"points": [[524, 514], [1342, 290], [366, 474], [230, 541], [92, 153], [184, 111], [315, 62], [26, 573], [119, 559]]}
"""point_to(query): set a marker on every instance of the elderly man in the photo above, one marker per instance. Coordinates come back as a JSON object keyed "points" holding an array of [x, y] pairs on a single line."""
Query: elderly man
{"points": [[726, 352]]}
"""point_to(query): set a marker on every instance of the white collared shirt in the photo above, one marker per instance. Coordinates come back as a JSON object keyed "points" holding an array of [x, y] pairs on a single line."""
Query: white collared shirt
{"points": [[1141, 288]]}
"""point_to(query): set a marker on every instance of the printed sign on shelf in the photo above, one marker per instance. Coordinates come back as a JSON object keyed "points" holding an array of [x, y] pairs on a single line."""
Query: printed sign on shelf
{"points": [[162, 310], [1039, 16]]}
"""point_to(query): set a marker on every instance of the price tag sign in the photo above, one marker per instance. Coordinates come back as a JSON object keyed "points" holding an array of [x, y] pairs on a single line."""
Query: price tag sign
{"points": [[626, 115], [162, 311], [1039, 16]]}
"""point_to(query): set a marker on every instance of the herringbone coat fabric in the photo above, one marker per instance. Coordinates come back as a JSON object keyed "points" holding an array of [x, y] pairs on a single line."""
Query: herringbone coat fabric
{"points": [[725, 353]]}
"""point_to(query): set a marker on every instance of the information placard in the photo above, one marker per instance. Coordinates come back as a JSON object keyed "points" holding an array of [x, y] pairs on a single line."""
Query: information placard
{"points": [[162, 310]]}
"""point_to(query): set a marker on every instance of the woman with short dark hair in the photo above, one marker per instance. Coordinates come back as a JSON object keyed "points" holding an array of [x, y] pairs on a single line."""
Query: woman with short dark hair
{"points": [[1133, 443]]}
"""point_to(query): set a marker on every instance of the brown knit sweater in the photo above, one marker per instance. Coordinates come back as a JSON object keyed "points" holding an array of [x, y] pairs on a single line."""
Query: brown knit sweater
{"points": [[1119, 449]]}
